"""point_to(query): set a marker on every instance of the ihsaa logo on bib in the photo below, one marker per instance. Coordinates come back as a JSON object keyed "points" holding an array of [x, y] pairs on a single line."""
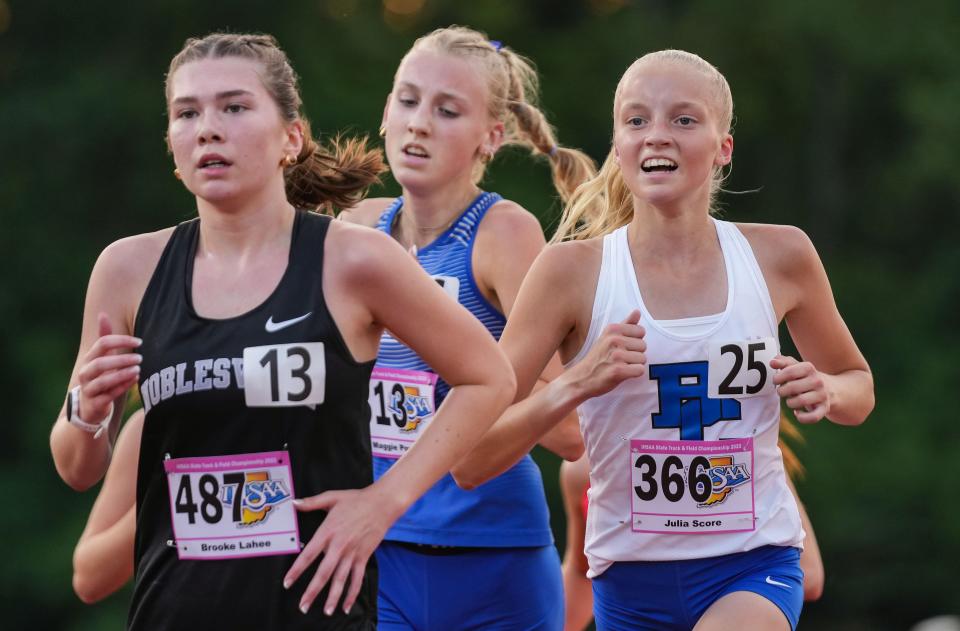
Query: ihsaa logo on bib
{"points": [[415, 405], [726, 475], [401, 406], [258, 495]]}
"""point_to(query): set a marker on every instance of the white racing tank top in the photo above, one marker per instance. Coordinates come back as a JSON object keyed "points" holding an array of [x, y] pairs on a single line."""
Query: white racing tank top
{"points": [[684, 460]]}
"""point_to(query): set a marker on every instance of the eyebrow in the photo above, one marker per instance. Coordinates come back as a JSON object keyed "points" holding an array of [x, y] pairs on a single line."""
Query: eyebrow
{"points": [[689, 104], [633, 105], [229, 94], [636, 105], [442, 94]]}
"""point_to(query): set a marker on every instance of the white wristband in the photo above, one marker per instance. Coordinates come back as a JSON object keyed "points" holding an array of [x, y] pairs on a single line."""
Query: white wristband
{"points": [[73, 415]]}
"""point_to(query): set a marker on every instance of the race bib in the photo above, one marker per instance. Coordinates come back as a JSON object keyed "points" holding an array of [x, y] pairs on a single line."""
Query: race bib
{"points": [[284, 375], [739, 370], [401, 406], [231, 507], [691, 486]]}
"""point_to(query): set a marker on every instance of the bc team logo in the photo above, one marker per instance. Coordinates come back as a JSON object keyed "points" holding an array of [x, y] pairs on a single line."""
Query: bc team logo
{"points": [[726, 475], [258, 495], [411, 405]]}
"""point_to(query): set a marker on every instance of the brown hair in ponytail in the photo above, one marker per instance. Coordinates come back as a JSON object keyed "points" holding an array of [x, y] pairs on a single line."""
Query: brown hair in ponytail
{"points": [[514, 89], [337, 173]]}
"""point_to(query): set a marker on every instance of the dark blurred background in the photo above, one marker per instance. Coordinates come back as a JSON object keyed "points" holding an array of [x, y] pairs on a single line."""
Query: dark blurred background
{"points": [[846, 125]]}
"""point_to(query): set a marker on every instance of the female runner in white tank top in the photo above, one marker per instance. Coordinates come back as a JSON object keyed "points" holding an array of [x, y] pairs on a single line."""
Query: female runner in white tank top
{"points": [[667, 320]]}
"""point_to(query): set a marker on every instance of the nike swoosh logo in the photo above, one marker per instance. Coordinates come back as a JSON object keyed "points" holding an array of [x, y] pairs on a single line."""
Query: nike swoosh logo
{"points": [[273, 327], [770, 581]]}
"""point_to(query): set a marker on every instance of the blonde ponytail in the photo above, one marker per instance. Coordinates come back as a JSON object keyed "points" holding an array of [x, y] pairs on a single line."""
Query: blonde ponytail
{"points": [[569, 167], [597, 207]]}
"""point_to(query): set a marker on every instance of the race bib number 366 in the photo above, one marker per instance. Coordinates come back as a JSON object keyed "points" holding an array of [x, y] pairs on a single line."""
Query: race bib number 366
{"points": [[691, 486], [227, 507]]}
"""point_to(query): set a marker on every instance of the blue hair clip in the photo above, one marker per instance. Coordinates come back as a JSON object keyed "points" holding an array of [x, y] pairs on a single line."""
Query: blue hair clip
{"points": [[497, 45]]}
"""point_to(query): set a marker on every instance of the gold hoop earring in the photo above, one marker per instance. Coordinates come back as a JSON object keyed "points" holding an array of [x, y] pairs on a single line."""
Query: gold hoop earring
{"points": [[383, 131], [176, 174]]}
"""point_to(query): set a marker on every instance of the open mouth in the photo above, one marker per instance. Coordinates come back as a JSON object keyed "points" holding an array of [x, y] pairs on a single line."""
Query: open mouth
{"points": [[213, 162], [656, 165], [416, 151]]}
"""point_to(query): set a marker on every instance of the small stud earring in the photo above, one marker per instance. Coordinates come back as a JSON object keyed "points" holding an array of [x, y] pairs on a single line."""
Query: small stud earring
{"points": [[176, 174], [383, 131], [289, 161]]}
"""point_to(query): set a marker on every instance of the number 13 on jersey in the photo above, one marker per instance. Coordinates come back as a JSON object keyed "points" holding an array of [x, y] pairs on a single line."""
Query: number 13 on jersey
{"points": [[284, 375]]}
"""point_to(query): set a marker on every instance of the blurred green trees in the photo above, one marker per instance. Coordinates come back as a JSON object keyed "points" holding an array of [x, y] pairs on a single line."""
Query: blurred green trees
{"points": [[846, 126]]}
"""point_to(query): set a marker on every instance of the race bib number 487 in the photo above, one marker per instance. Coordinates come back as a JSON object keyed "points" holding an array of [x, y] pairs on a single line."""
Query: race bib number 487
{"points": [[691, 486], [226, 507]]}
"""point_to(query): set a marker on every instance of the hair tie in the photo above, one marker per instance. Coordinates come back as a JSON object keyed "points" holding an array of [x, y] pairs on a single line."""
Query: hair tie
{"points": [[497, 45], [553, 151]]}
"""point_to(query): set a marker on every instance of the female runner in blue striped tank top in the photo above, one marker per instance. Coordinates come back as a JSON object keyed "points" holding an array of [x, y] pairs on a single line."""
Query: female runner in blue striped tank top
{"points": [[481, 558]]}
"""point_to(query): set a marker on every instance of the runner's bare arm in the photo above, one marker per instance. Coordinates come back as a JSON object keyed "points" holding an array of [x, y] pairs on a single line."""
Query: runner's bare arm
{"points": [[103, 558], [811, 562], [508, 241], [577, 588], [383, 280], [107, 364], [564, 438], [550, 308], [832, 379]]}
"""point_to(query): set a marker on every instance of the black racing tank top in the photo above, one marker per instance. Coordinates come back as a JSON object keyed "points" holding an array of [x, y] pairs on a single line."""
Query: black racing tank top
{"points": [[198, 409]]}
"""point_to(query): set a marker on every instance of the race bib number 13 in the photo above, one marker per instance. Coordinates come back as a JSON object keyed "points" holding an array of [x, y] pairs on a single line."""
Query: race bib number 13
{"points": [[401, 406], [284, 375], [228, 507]]}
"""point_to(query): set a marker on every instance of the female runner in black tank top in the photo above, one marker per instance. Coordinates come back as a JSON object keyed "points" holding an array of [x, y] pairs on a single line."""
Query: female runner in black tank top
{"points": [[507, 241], [257, 327]]}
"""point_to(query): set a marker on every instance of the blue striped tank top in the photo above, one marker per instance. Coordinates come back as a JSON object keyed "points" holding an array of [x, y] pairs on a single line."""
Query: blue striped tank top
{"points": [[511, 509]]}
